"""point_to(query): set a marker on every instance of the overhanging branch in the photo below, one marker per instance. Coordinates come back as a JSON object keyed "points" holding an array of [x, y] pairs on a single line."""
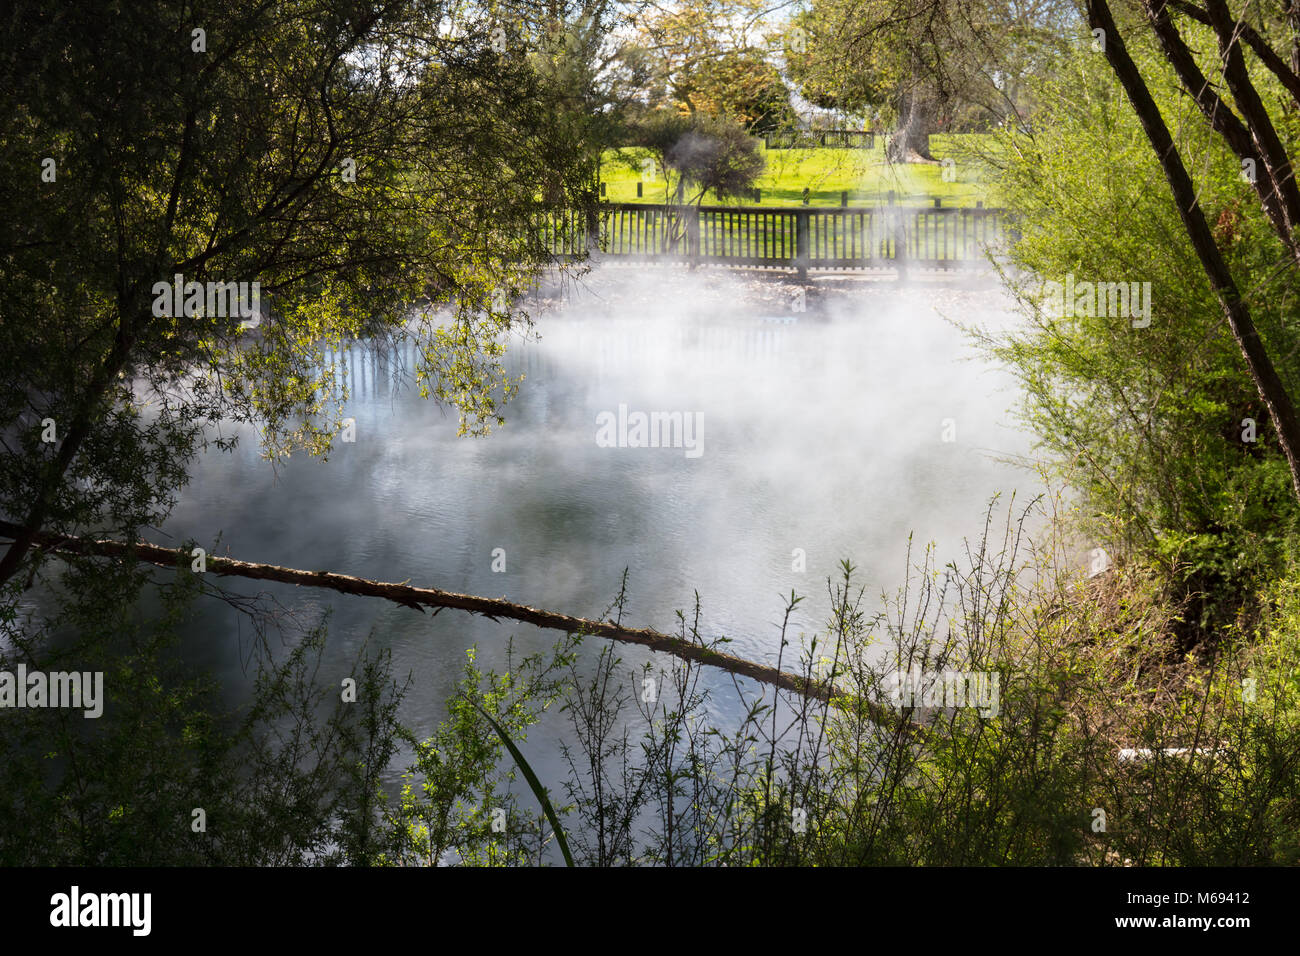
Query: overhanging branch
{"points": [[493, 608]]}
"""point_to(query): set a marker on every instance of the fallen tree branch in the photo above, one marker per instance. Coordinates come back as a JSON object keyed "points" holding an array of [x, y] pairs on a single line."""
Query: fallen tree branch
{"points": [[492, 608]]}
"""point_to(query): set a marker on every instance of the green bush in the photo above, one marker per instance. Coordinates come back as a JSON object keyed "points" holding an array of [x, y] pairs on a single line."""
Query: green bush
{"points": [[1148, 422]]}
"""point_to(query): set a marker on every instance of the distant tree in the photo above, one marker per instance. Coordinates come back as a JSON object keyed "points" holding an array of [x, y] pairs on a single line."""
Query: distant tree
{"points": [[744, 86], [921, 62], [595, 70], [818, 77], [700, 153], [708, 57], [657, 132], [716, 156]]}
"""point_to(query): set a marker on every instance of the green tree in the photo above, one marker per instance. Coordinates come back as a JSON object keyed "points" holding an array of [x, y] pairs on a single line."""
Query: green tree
{"points": [[1261, 139], [320, 148], [321, 151], [708, 57], [924, 62], [1156, 419], [700, 152], [717, 156]]}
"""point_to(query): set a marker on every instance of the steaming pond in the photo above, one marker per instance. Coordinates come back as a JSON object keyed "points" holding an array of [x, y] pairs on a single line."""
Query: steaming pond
{"points": [[822, 431]]}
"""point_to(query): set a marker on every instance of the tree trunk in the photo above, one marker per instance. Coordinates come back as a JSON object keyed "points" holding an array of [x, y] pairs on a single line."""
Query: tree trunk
{"points": [[1271, 387], [910, 141], [79, 430]]}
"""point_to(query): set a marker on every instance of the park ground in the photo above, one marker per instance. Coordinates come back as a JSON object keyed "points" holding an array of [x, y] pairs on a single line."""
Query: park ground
{"points": [[826, 174]]}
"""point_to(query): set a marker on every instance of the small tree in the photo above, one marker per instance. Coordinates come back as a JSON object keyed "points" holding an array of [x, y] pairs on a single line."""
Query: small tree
{"points": [[715, 155], [702, 153], [695, 150]]}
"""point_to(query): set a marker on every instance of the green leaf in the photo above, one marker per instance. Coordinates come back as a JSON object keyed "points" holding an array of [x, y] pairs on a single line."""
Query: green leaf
{"points": [[538, 790]]}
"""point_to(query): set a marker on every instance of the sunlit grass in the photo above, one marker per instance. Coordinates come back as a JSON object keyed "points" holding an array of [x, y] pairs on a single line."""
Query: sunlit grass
{"points": [[827, 174]]}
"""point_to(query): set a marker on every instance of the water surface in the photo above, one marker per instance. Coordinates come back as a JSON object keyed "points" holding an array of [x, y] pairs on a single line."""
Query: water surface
{"points": [[822, 431]]}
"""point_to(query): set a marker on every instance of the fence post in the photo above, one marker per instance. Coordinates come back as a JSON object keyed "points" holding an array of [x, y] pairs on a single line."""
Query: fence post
{"points": [[593, 227], [693, 234], [801, 243], [900, 238]]}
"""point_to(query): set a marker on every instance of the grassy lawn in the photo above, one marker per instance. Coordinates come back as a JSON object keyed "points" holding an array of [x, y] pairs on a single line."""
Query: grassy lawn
{"points": [[826, 173]]}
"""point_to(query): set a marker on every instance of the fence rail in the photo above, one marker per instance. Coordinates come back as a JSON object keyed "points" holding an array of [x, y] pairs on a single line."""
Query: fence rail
{"points": [[829, 138], [796, 238]]}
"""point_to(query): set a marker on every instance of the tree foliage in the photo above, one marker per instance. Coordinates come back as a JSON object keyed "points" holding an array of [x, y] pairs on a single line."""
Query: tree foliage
{"points": [[320, 149], [920, 64], [1159, 426], [699, 152], [711, 57]]}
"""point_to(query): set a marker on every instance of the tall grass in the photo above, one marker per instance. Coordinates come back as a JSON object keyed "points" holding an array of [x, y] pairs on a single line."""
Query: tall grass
{"points": [[1087, 668]]}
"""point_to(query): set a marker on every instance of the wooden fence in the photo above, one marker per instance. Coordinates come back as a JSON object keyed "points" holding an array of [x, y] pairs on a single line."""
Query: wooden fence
{"points": [[829, 138], [799, 238]]}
